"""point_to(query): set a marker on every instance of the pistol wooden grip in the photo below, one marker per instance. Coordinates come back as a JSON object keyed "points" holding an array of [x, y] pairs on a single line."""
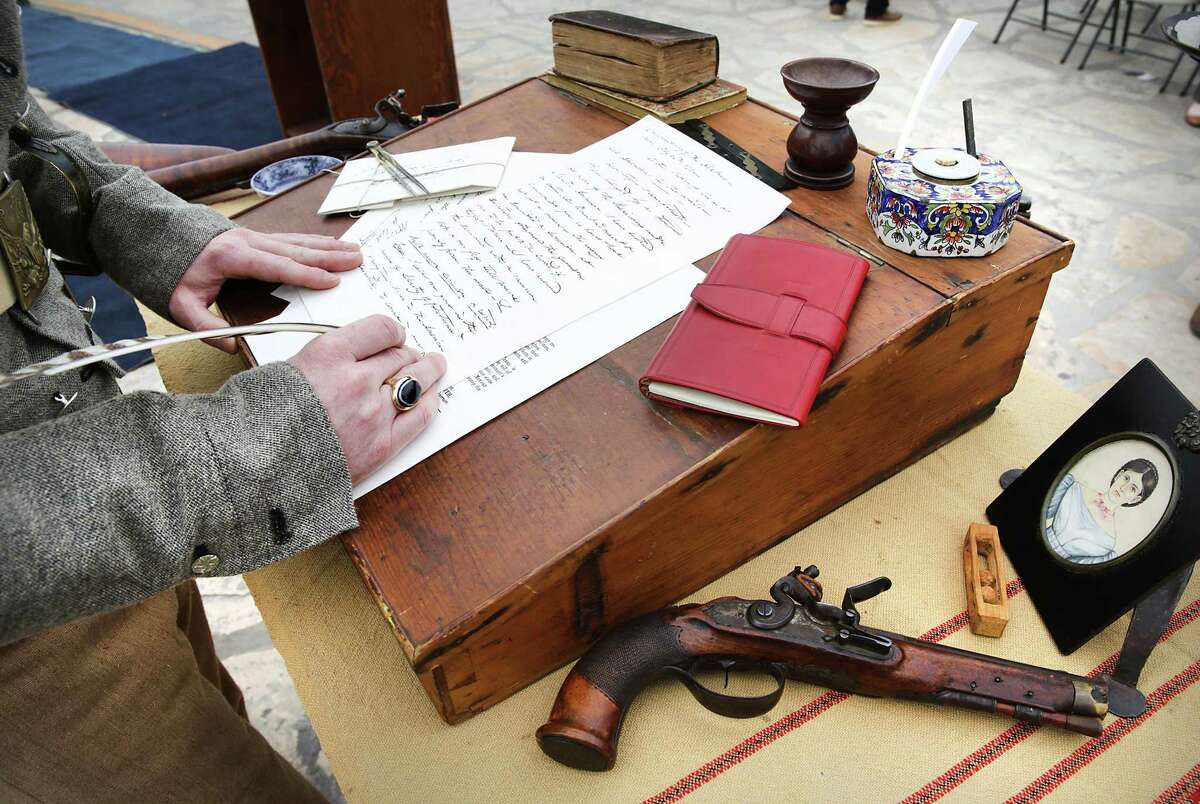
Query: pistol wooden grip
{"points": [[585, 722], [583, 727]]}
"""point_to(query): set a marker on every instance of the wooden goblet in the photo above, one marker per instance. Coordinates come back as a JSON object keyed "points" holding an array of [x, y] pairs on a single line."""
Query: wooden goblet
{"points": [[822, 146]]}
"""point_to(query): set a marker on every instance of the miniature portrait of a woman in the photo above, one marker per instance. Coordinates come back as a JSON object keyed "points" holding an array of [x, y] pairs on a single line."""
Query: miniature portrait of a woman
{"points": [[1083, 524]]}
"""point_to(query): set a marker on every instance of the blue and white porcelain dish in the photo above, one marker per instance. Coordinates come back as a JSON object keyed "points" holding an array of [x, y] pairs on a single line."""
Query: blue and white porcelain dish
{"points": [[287, 173]]}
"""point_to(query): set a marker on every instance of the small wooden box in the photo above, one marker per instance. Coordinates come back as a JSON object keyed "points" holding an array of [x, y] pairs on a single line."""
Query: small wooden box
{"points": [[505, 555], [983, 573]]}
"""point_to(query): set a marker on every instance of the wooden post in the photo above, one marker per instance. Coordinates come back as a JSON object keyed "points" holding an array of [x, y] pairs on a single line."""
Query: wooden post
{"points": [[330, 60]]}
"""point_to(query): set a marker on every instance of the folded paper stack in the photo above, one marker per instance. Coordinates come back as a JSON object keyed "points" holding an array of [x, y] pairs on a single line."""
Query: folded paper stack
{"points": [[471, 167]]}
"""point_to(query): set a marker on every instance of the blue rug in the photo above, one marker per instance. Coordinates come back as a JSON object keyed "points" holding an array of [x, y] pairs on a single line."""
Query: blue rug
{"points": [[155, 91], [62, 52], [216, 98]]}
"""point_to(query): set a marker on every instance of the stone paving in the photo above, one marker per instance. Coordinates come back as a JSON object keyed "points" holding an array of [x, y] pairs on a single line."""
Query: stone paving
{"points": [[1108, 161]]}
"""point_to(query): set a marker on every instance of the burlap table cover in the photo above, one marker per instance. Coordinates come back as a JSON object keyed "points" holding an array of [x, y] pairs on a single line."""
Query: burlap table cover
{"points": [[385, 742]]}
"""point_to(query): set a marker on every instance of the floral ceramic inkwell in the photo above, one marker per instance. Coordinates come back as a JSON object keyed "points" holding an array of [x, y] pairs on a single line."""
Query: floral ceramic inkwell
{"points": [[942, 202]]}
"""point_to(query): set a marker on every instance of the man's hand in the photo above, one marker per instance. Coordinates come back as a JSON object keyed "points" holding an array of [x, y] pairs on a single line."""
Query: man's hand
{"points": [[349, 368], [310, 261]]}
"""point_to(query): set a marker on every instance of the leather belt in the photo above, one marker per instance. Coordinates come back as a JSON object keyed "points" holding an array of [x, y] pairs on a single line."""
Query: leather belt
{"points": [[66, 234]]}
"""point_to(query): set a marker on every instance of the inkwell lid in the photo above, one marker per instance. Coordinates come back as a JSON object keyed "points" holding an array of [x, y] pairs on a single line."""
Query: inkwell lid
{"points": [[946, 165]]}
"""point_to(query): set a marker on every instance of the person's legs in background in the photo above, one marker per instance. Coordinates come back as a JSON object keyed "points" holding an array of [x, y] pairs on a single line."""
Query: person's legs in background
{"points": [[877, 11]]}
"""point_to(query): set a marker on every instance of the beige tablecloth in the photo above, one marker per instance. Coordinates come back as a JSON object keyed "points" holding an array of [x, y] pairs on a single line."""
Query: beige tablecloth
{"points": [[386, 743]]}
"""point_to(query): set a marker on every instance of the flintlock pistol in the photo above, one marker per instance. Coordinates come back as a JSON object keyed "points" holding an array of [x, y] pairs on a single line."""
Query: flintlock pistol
{"points": [[795, 635]]}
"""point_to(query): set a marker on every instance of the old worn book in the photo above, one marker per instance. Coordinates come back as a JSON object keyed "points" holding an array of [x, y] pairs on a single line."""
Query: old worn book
{"points": [[716, 97], [631, 55]]}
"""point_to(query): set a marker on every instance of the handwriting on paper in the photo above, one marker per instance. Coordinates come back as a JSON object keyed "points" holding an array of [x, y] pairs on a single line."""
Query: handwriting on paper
{"points": [[496, 273]]}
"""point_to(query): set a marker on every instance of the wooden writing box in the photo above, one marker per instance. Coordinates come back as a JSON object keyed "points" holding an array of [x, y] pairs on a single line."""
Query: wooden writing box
{"points": [[505, 555]]}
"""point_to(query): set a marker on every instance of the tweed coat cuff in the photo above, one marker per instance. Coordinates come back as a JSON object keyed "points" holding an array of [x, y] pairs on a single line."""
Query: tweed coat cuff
{"points": [[282, 466], [151, 235]]}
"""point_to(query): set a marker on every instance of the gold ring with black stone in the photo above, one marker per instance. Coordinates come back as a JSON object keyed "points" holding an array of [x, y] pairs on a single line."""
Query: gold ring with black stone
{"points": [[406, 392]]}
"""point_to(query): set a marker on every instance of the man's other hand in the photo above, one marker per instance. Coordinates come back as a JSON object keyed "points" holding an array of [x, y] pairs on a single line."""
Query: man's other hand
{"points": [[311, 261], [349, 369]]}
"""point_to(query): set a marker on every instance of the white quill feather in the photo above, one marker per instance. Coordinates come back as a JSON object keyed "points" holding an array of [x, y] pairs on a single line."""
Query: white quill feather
{"points": [[106, 351], [950, 46]]}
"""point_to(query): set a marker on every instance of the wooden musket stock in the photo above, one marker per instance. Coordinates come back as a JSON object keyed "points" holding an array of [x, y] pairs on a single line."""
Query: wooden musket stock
{"points": [[191, 171], [152, 156], [813, 642], [215, 173]]}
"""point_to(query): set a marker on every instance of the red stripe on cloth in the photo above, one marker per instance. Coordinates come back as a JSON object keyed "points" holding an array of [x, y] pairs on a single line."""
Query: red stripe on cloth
{"points": [[752, 745], [976, 761], [971, 764], [1011, 737], [715, 767], [1186, 789], [1082, 756]]}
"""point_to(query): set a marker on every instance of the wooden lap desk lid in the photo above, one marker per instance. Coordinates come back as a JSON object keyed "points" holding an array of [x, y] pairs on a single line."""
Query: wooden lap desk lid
{"points": [[506, 554]]}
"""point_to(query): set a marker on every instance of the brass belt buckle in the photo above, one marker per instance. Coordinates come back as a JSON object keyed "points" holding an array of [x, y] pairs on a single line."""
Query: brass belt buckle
{"points": [[25, 258]]}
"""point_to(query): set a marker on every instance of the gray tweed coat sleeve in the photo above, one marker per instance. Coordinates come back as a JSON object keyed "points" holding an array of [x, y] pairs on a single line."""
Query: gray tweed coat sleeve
{"points": [[143, 236], [109, 505], [108, 500]]}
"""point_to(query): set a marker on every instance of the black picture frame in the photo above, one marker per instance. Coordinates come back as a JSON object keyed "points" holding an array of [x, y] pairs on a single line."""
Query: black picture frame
{"points": [[1078, 600]]}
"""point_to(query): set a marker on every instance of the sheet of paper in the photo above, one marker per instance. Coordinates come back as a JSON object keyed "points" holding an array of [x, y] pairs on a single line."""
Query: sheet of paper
{"points": [[394, 221], [480, 281], [476, 400], [282, 345], [528, 371], [390, 222], [468, 168]]}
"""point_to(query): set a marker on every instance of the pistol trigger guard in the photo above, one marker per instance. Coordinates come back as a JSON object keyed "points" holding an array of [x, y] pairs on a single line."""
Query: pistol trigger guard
{"points": [[735, 706]]}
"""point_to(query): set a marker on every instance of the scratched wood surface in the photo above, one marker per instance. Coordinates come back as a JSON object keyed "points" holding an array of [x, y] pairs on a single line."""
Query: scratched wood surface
{"points": [[504, 555]]}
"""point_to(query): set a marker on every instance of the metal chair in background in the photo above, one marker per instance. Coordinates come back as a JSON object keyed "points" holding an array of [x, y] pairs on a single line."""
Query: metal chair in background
{"points": [[1114, 11], [1081, 20]]}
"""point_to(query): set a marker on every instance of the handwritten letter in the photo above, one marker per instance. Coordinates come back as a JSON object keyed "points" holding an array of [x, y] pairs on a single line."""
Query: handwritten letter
{"points": [[493, 274]]}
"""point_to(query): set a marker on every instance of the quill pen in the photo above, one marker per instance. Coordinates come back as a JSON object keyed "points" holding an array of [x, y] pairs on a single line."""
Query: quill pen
{"points": [[946, 53], [79, 358]]}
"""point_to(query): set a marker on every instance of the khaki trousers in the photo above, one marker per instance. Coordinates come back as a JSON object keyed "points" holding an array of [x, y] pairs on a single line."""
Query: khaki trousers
{"points": [[133, 705]]}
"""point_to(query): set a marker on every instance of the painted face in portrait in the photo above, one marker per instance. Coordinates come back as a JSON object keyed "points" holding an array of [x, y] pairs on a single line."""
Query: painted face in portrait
{"points": [[1095, 514], [1133, 483]]}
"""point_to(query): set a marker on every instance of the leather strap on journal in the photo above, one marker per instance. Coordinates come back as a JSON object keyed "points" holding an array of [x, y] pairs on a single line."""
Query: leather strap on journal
{"points": [[786, 314]]}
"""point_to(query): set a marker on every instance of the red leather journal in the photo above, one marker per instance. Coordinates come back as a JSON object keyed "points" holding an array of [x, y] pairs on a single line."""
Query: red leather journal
{"points": [[757, 337]]}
